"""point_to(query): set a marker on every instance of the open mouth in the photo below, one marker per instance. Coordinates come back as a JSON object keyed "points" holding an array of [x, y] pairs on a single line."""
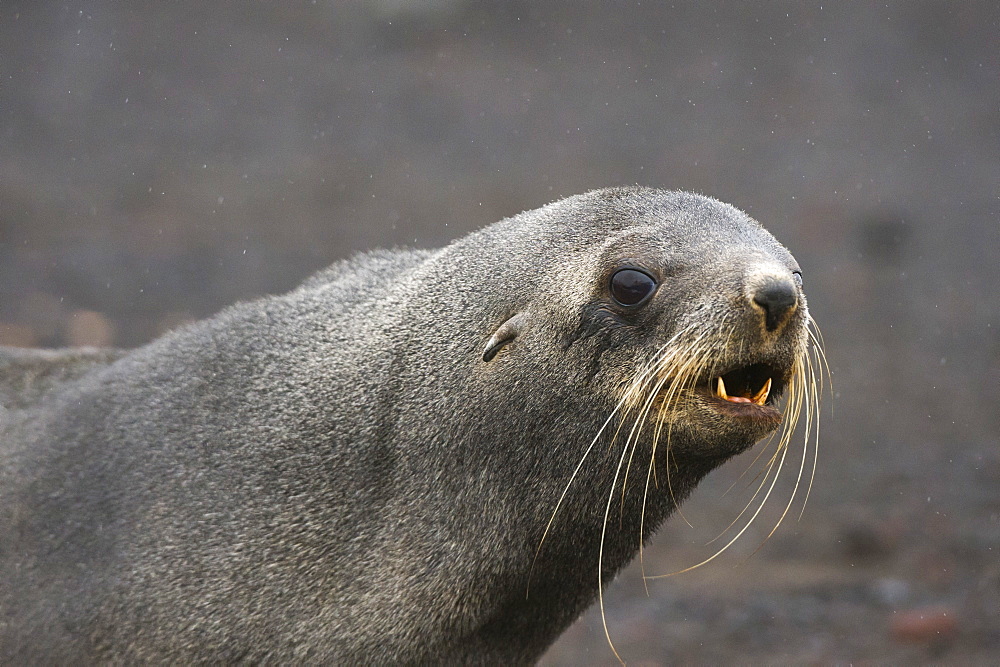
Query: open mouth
{"points": [[754, 386]]}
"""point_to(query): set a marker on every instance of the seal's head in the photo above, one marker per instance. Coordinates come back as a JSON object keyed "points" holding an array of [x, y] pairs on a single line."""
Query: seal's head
{"points": [[682, 311], [682, 324]]}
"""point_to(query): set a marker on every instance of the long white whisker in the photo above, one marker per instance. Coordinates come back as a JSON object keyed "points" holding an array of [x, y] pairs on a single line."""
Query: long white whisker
{"points": [[736, 537], [623, 402]]}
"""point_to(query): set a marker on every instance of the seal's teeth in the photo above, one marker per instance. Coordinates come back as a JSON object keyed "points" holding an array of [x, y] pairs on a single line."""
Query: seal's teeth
{"points": [[762, 395], [720, 389]]}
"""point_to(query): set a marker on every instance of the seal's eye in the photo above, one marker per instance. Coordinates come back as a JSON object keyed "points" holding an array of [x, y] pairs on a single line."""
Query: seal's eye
{"points": [[797, 277], [630, 287]]}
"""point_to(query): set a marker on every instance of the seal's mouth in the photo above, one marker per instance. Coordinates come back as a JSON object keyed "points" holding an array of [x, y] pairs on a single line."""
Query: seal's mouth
{"points": [[749, 391]]}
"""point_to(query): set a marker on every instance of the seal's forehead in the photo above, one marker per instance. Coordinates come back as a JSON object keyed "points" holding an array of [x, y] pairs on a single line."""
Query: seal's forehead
{"points": [[679, 215], [675, 227], [693, 217], [685, 227]]}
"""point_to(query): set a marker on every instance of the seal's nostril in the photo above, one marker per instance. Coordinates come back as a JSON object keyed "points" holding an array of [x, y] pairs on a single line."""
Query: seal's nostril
{"points": [[778, 298]]}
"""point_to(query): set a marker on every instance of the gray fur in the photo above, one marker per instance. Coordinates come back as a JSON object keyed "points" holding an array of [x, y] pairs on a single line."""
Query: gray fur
{"points": [[336, 474]]}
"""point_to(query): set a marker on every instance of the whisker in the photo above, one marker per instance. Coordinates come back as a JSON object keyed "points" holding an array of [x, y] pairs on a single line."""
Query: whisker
{"points": [[600, 554], [816, 386], [657, 431], [637, 430], [802, 390], [624, 402], [666, 405], [763, 475], [789, 419], [736, 537], [806, 393], [763, 450], [803, 395], [686, 375], [562, 497]]}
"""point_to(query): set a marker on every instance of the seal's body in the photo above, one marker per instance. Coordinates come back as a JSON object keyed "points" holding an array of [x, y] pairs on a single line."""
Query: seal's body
{"points": [[364, 469]]}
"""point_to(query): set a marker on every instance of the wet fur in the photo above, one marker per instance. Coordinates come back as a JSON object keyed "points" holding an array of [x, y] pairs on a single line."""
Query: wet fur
{"points": [[337, 475]]}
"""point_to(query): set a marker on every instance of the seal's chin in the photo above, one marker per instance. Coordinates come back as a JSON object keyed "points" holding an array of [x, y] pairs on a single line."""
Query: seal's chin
{"points": [[745, 392]]}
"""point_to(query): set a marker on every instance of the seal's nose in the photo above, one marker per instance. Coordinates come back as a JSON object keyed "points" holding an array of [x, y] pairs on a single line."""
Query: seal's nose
{"points": [[778, 298]]}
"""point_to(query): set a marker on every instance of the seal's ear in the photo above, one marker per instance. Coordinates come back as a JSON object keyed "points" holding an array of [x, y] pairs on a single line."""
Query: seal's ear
{"points": [[505, 335]]}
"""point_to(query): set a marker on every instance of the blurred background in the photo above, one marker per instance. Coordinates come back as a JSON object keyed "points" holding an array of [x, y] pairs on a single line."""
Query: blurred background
{"points": [[159, 160]]}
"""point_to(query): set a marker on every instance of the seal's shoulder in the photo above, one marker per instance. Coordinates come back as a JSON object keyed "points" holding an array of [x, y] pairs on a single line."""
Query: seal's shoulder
{"points": [[27, 374], [374, 263]]}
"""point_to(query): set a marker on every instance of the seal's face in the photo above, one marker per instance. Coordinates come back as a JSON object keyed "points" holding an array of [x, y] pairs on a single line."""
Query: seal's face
{"points": [[682, 312], [702, 328]]}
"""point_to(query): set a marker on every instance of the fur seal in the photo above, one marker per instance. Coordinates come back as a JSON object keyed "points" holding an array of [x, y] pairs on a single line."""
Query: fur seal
{"points": [[416, 456]]}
